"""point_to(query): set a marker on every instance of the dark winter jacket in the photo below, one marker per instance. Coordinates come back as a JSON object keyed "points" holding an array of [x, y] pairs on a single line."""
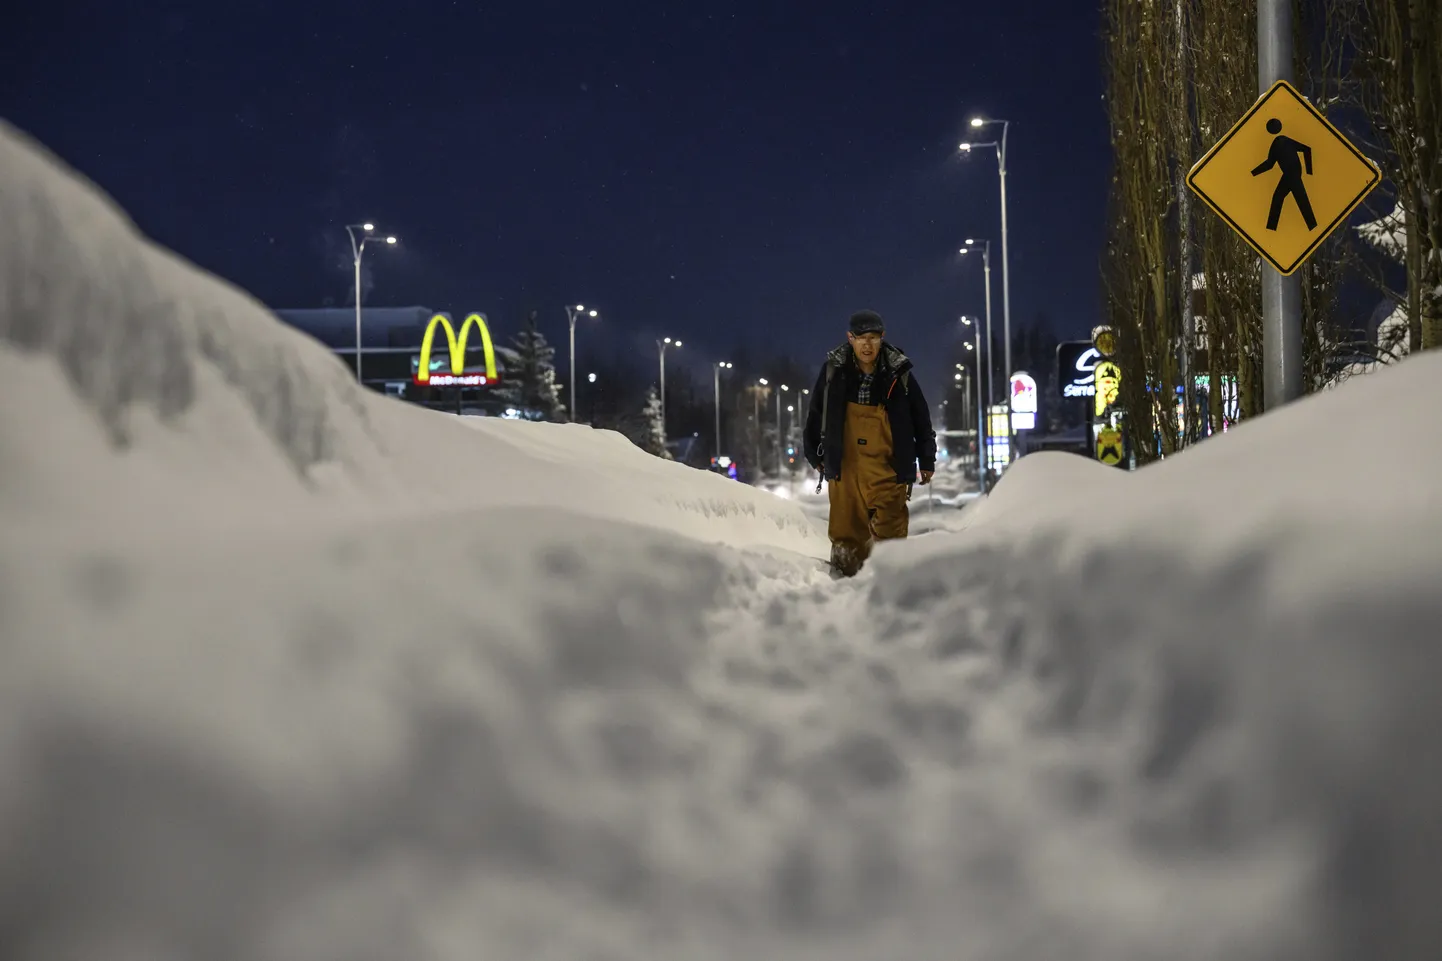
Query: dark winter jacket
{"points": [[913, 439]]}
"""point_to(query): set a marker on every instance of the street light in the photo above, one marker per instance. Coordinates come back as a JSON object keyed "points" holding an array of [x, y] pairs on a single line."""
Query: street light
{"points": [[571, 314], [790, 409], [357, 249], [980, 411], [986, 273], [756, 420], [780, 464], [716, 379], [661, 346], [1000, 146]]}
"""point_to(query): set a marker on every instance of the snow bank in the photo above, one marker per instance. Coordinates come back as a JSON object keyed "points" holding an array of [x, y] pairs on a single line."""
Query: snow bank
{"points": [[406, 685], [1232, 657], [120, 348]]}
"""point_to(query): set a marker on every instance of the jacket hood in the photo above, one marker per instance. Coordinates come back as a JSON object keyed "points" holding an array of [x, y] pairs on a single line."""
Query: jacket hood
{"points": [[892, 357]]}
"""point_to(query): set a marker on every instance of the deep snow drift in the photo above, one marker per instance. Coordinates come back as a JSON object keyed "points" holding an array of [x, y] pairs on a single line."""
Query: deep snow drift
{"points": [[291, 672]]}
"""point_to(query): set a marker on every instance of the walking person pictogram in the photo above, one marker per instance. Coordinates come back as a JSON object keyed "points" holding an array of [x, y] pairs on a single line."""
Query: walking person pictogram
{"points": [[1288, 154]]}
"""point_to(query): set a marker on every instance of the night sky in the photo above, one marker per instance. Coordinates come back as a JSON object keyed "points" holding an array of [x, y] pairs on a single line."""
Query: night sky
{"points": [[726, 173]]}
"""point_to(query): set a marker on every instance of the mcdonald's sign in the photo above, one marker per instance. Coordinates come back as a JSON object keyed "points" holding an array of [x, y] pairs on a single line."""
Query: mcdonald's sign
{"points": [[456, 347]]}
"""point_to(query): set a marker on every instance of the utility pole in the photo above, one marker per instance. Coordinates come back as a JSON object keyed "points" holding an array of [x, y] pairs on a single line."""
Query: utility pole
{"points": [[1281, 296]]}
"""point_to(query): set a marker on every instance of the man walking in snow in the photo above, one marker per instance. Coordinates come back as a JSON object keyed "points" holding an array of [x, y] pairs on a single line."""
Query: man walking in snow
{"points": [[867, 430]]}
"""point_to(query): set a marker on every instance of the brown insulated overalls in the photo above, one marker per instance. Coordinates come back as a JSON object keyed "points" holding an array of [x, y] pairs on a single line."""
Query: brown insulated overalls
{"points": [[867, 501]]}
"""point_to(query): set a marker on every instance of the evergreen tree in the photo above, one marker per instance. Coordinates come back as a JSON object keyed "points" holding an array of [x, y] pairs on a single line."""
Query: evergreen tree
{"points": [[529, 381], [646, 430]]}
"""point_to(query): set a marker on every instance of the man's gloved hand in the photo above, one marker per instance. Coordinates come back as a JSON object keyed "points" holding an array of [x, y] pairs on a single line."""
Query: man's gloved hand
{"points": [[926, 476]]}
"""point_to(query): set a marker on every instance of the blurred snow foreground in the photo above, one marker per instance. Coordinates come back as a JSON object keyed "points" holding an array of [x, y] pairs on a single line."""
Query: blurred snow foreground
{"points": [[292, 672]]}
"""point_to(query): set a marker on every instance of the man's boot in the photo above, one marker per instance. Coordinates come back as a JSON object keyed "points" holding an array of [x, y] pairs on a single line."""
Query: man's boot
{"points": [[847, 558]]}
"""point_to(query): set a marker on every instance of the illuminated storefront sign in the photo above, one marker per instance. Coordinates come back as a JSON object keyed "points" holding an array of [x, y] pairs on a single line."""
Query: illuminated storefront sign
{"points": [[457, 376], [1108, 381], [1023, 401], [1076, 362], [998, 441]]}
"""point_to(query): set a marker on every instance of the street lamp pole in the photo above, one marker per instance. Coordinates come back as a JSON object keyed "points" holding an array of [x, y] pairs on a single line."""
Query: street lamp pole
{"points": [[980, 411], [756, 420], [1005, 248], [780, 462], [571, 314], [1001, 152], [661, 346], [357, 249], [1000, 146], [716, 379], [986, 279], [803, 407]]}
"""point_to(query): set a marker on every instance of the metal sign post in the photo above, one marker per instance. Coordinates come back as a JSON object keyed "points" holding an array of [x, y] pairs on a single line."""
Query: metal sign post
{"points": [[1284, 178], [1281, 296]]}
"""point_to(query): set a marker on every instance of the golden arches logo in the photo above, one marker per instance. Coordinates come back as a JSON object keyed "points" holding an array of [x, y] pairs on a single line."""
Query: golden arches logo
{"points": [[456, 347]]}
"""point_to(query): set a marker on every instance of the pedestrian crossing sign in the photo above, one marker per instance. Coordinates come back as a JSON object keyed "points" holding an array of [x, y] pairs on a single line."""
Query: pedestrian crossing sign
{"points": [[1283, 177]]}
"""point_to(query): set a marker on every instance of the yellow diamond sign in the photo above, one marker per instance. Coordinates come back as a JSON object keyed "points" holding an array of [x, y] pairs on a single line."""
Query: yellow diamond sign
{"points": [[1283, 177], [1110, 446]]}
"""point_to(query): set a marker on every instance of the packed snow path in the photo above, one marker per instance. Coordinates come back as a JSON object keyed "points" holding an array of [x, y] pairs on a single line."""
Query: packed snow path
{"points": [[272, 686]]}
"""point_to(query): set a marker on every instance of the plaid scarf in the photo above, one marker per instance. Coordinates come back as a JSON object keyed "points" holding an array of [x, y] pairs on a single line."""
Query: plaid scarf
{"points": [[863, 388]]}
